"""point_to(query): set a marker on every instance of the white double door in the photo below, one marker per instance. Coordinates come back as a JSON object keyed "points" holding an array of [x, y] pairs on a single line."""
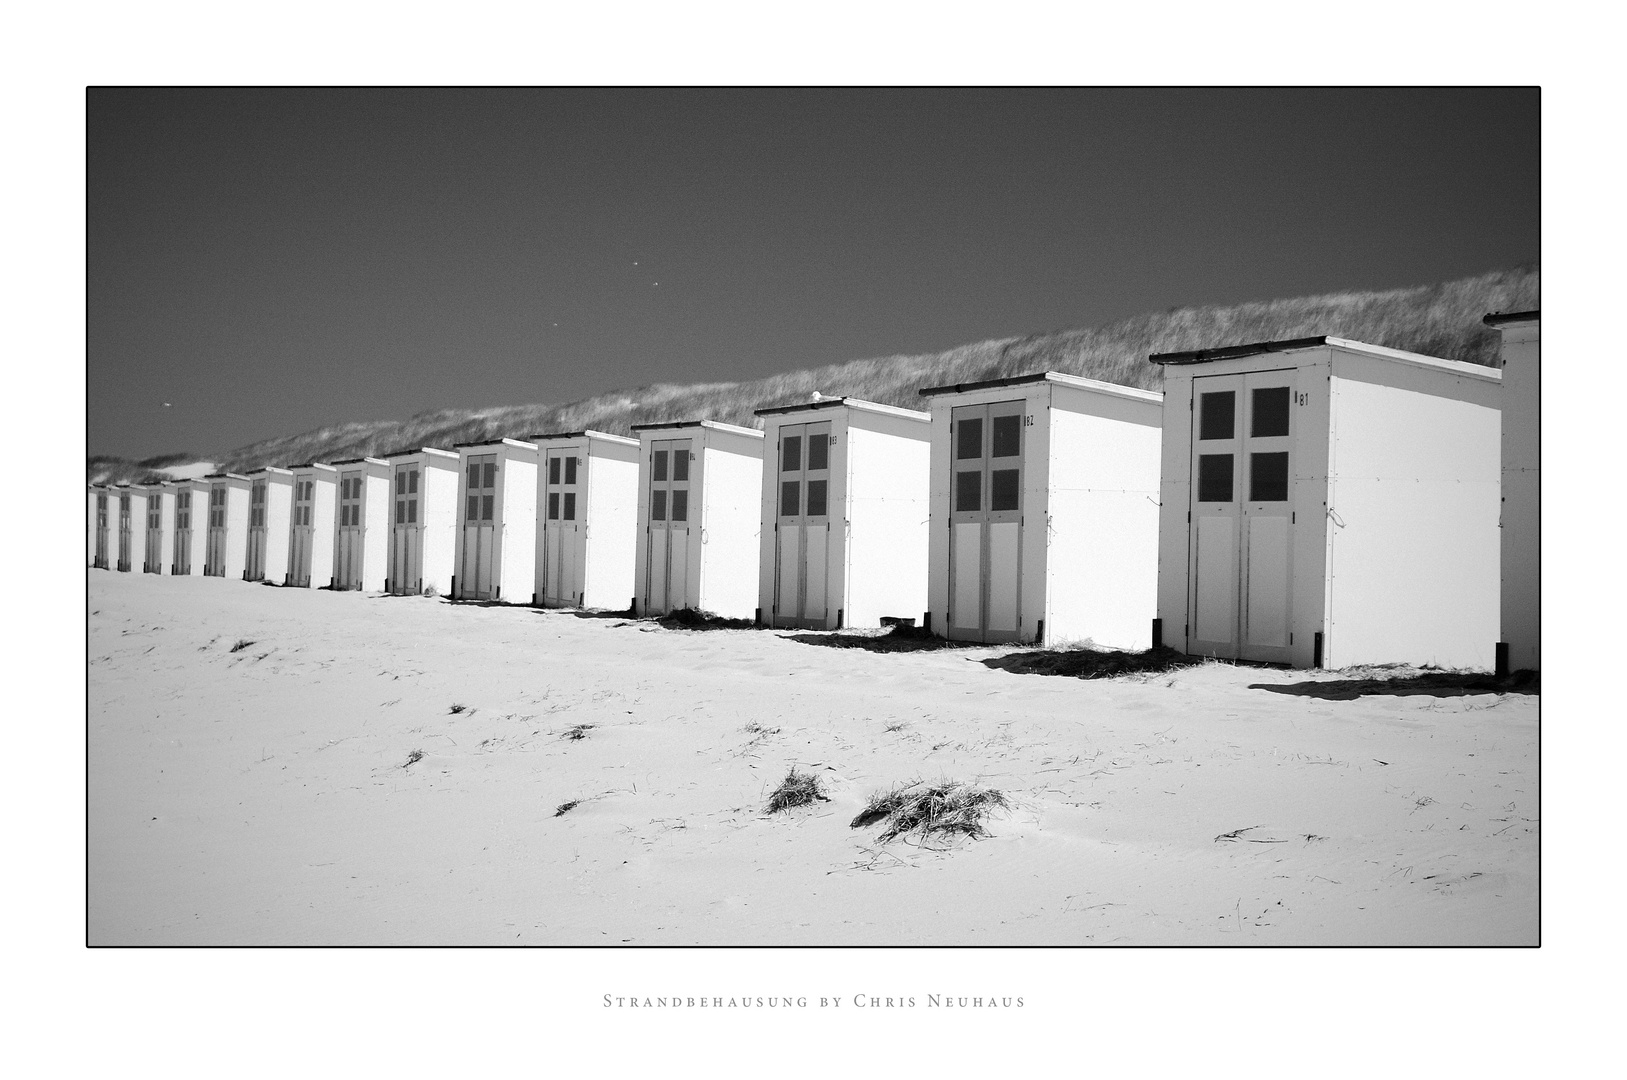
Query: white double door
{"points": [[562, 527], [986, 522], [479, 528], [1241, 544], [214, 562], [802, 527], [406, 533], [666, 579], [351, 535], [255, 568], [302, 534], [183, 532]]}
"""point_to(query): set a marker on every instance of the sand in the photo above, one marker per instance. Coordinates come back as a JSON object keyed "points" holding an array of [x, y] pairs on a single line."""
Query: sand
{"points": [[249, 783]]}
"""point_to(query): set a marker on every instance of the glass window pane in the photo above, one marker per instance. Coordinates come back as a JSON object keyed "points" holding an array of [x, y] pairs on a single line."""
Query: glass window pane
{"points": [[474, 475], [570, 470], [969, 491], [553, 470], [486, 507], [1270, 412], [680, 464], [969, 439], [1216, 415], [570, 505], [658, 465], [790, 498], [412, 482], [819, 451], [680, 505], [401, 513], [490, 477], [1007, 436], [816, 496], [1003, 489], [658, 506], [791, 453], [400, 483], [1268, 477], [471, 512], [1214, 478], [553, 504], [412, 511]]}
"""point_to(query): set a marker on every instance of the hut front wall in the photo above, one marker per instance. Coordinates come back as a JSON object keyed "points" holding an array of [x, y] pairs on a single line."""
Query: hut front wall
{"points": [[612, 525], [724, 564], [887, 477], [1102, 525], [1413, 500], [1521, 542]]}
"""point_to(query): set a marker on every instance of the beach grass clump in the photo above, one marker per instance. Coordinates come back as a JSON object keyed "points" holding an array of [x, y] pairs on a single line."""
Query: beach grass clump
{"points": [[797, 789], [945, 810], [242, 643], [566, 807], [578, 733], [412, 758], [455, 709]]}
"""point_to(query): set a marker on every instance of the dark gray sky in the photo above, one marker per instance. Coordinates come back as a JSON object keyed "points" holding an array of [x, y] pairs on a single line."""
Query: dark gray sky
{"points": [[268, 261]]}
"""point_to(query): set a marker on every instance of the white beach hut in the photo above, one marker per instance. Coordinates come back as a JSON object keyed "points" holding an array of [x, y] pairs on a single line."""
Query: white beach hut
{"points": [[159, 549], [699, 515], [1329, 503], [271, 508], [100, 512], [228, 525], [1044, 511], [132, 526], [424, 522], [497, 521], [845, 514], [191, 543], [310, 533], [361, 552], [1519, 644], [587, 539]]}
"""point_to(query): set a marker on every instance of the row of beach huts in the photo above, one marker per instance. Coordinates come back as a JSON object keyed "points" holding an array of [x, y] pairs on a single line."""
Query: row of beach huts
{"points": [[1317, 502]]}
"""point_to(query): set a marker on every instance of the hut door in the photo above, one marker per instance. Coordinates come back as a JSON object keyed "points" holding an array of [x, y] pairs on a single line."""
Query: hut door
{"points": [[1241, 548], [348, 554], [299, 555], [561, 531], [183, 532], [101, 530], [153, 563], [479, 524], [802, 531], [214, 563], [256, 568], [124, 532], [986, 522], [406, 535], [666, 581]]}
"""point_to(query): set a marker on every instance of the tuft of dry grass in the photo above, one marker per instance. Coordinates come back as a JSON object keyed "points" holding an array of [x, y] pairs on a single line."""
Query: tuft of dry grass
{"points": [[242, 643], [944, 810], [454, 710], [578, 733], [566, 807], [415, 756], [797, 789]]}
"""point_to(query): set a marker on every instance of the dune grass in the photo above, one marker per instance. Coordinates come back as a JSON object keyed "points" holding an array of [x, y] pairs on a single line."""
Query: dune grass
{"points": [[943, 811], [797, 789]]}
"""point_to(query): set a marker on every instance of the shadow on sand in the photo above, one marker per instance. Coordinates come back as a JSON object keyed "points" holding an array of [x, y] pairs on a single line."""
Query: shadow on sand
{"points": [[1409, 682], [1091, 663], [896, 639]]}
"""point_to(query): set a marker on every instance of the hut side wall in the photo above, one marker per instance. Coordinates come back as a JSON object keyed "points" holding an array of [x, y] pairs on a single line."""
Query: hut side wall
{"points": [[324, 518], [237, 530], [731, 479], [1521, 547], [887, 476], [516, 544], [438, 510], [279, 525], [612, 525], [376, 508]]}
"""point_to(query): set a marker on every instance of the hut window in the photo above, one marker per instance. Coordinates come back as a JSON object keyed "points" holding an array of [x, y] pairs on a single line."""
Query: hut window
{"points": [[412, 482], [1003, 486], [1268, 477], [680, 505], [412, 512], [790, 498], [969, 441], [474, 475], [969, 486], [1217, 416], [400, 513], [471, 511], [658, 465], [400, 483], [490, 474], [1008, 441], [553, 504], [816, 491], [791, 459], [570, 505], [553, 472], [819, 451], [1214, 478], [680, 464], [658, 505], [486, 506], [1270, 412], [570, 470]]}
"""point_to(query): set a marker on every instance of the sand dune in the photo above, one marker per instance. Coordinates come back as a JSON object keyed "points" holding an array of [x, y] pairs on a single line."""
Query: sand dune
{"points": [[261, 792]]}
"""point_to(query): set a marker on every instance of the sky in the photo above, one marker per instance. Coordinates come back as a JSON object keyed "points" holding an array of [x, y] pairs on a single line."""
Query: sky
{"points": [[264, 262]]}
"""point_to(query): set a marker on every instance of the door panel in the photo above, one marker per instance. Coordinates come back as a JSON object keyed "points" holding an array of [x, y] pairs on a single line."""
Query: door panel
{"points": [[803, 526], [671, 520], [985, 537], [966, 586], [479, 514], [406, 565], [561, 527], [1004, 537], [1215, 579], [214, 563]]}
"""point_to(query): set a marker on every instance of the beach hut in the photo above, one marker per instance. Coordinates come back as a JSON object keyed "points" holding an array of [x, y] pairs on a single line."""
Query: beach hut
{"points": [[361, 551], [845, 514], [424, 523], [587, 495], [1328, 503], [1520, 640], [228, 525], [132, 525], [497, 534], [191, 544], [699, 514], [310, 536], [99, 511], [1044, 511], [271, 506], [159, 549]]}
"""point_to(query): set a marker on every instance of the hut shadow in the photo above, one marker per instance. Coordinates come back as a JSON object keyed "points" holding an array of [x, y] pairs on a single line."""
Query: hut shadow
{"points": [[897, 639], [1428, 683], [1093, 663]]}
